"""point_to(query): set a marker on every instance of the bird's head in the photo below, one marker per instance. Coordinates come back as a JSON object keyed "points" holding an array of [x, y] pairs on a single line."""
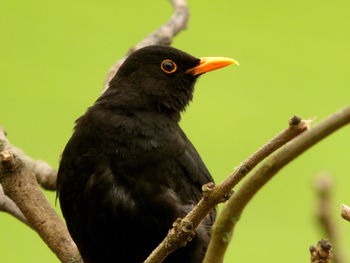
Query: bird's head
{"points": [[161, 77]]}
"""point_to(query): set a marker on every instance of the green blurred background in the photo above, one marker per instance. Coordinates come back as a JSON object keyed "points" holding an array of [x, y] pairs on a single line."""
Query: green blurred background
{"points": [[294, 59]]}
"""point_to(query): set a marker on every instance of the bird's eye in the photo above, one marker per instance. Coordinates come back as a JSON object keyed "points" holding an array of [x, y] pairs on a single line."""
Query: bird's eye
{"points": [[168, 66]]}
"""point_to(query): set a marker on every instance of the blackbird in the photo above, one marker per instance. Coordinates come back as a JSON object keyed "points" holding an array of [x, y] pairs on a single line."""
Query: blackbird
{"points": [[129, 171]]}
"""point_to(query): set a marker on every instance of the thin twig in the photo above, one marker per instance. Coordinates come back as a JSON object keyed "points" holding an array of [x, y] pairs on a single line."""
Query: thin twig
{"points": [[20, 185], [45, 175], [323, 187], [225, 223], [322, 252], [162, 36], [212, 195], [345, 212]]}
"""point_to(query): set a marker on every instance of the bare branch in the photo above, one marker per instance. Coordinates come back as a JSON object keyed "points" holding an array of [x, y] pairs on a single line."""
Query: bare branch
{"points": [[212, 195], [8, 206], [45, 175], [163, 36], [225, 223], [20, 185], [19, 173], [345, 212], [322, 253], [17, 170], [323, 186]]}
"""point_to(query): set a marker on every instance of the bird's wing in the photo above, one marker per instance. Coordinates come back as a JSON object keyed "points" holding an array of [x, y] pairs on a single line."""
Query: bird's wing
{"points": [[194, 174], [196, 167], [197, 175]]}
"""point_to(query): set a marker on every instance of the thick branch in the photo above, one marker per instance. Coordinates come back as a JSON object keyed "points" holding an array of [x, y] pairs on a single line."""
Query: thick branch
{"points": [[323, 188], [8, 206], [163, 36], [212, 195], [45, 175], [20, 185], [225, 223]]}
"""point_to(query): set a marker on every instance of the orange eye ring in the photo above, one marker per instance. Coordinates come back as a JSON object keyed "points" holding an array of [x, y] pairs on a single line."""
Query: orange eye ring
{"points": [[168, 66]]}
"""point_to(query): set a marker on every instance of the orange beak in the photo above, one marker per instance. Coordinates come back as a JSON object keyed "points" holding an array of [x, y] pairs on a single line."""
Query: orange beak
{"points": [[207, 64]]}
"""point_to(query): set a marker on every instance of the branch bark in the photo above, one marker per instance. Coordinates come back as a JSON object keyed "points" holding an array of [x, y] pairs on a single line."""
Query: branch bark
{"points": [[162, 36], [8, 206], [212, 195], [45, 175], [227, 220], [323, 186], [20, 174], [20, 185]]}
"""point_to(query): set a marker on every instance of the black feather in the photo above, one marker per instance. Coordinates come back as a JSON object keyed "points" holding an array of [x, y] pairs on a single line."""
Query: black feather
{"points": [[129, 171]]}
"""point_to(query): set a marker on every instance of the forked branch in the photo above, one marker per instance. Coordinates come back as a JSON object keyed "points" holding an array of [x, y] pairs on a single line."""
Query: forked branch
{"points": [[20, 174], [45, 175], [212, 195], [23, 192], [227, 220]]}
